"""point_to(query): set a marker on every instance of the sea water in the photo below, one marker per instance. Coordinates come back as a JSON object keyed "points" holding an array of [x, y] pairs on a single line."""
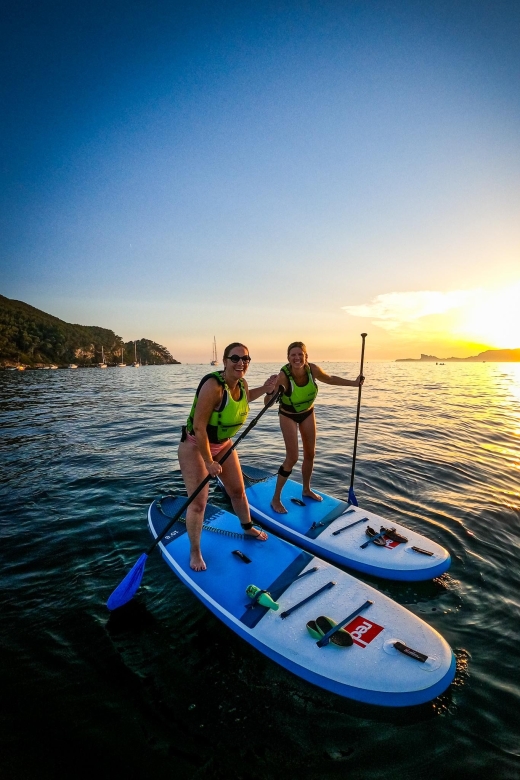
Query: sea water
{"points": [[162, 688]]}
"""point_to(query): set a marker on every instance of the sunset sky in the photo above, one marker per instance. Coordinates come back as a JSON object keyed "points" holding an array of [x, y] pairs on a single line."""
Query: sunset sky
{"points": [[266, 172]]}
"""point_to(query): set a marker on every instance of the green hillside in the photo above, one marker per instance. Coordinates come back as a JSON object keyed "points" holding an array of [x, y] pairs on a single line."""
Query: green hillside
{"points": [[35, 338]]}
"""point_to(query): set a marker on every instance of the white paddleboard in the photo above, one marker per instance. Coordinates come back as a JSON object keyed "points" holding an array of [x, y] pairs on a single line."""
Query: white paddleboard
{"points": [[336, 531], [372, 670]]}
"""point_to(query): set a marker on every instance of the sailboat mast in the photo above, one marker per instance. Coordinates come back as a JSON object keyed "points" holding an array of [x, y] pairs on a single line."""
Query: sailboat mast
{"points": [[214, 356]]}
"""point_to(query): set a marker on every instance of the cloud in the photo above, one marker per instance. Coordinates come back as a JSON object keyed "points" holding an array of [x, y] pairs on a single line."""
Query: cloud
{"points": [[391, 310]]}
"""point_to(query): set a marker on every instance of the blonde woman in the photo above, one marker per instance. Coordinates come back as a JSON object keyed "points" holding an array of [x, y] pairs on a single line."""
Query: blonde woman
{"points": [[296, 413]]}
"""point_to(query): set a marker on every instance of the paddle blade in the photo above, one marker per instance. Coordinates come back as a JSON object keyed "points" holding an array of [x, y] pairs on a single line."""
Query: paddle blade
{"points": [[127, 588], [352, 497]]}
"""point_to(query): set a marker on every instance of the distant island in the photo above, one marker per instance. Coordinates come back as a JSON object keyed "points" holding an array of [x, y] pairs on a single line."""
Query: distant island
{"points": [[30, 337], [489, 356]]}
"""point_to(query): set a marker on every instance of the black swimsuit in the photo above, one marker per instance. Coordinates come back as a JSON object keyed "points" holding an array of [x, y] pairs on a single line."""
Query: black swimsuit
{"points": [[298, 418]]}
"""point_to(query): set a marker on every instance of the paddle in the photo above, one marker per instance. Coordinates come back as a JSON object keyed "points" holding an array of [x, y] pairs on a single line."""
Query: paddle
{"points": [[351, 495], [127, 588]]}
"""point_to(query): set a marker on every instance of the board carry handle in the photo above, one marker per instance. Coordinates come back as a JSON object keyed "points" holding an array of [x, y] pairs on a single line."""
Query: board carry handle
{"points": [[420, 550], [326, 637], [340, 530], [129, 585], [309, 598], [403, 648]]}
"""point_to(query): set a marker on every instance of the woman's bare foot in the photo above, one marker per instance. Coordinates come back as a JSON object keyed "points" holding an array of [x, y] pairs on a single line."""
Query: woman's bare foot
{"points": [[197, 562], [256, 533], [277, 505], [312, 494]]}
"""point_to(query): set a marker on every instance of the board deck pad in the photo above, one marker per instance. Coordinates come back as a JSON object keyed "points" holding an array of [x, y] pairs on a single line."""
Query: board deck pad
{"points": [[313, 527], [372, 670]]}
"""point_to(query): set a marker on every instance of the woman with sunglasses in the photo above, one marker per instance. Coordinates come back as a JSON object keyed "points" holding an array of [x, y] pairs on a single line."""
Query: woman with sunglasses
{"points": [[296, 413], [219, 409]]}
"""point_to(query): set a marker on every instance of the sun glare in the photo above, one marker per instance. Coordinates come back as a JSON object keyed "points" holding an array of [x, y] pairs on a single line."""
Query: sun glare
{"points": [[494, 318]]}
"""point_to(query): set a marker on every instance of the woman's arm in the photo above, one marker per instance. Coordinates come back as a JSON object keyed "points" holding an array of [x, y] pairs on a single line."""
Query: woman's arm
{"points": [[209, 398], [329, 379], [269, 387]]}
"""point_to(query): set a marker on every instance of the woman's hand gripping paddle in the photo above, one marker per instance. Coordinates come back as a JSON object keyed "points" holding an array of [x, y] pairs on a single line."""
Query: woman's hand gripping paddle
{"points": [[128, 587], [351, 495]]}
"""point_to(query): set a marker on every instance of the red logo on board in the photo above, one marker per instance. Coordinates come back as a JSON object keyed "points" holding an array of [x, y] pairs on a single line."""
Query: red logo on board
{"points": [[363, 631]]}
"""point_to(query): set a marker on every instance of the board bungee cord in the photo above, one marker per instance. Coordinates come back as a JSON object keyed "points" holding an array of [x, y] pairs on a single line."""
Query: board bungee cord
{"points": [[205, 526]]}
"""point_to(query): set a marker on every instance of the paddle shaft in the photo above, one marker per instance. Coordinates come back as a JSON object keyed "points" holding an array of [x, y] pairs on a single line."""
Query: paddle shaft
{"points": [[207, 479], [363, 336]]}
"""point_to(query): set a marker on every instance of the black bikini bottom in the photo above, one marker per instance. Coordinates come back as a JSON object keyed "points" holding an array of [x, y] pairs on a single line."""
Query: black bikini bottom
{"points": [[298, 418]]}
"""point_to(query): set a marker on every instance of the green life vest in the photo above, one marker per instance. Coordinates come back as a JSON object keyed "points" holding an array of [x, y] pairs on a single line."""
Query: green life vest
{"points": [[298, 399], [228, 418]]}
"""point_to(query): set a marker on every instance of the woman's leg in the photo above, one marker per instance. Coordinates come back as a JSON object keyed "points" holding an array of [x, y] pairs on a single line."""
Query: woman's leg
{"points": [[308, 434], [193, 472], [234, 483], [290, 436]]}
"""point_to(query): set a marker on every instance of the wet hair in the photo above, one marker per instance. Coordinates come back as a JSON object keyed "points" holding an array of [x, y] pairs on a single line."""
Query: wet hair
{"points": [[299, 345], [232, 346]]}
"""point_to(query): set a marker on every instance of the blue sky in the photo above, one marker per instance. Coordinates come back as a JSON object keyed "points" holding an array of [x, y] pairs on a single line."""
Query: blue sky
{"points": [[266, 172]]}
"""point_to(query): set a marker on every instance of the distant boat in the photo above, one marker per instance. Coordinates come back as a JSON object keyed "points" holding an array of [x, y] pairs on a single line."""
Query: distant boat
{"points": [[122, 364], [53, 367], [72, 365], [102, 364], [214, 361], [135, 364]]}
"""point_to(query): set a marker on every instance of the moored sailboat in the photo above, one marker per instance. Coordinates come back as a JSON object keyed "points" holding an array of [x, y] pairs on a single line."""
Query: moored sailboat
{"points": [[102, 364], [214, 360], [136, 363]]}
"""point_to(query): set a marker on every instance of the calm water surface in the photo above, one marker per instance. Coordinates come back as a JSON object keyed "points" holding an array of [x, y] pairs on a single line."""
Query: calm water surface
{"points": [[163, 688]]}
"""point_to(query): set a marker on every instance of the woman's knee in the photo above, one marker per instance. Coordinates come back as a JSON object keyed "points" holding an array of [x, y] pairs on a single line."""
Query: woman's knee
{"points": [[289, 462], [236, 494], [198, 505]]}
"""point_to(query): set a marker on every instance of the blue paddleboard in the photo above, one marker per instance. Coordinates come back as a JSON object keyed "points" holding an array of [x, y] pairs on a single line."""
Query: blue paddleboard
{"points": [[336, 531], [371, 670]]}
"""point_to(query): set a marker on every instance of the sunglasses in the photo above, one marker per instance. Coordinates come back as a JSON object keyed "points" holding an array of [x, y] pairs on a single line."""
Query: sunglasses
{"points": [[238, 358]]}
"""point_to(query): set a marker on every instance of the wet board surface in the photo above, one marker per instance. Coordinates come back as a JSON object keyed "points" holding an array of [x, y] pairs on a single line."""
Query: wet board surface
{"points": [[314, 527], [372, 670]]}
